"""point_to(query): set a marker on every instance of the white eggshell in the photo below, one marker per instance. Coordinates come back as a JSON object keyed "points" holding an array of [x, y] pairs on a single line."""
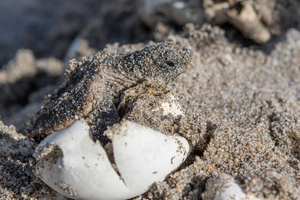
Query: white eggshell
{"points": [[84, 167], [142, 156], [232, 191], [145, 156]]}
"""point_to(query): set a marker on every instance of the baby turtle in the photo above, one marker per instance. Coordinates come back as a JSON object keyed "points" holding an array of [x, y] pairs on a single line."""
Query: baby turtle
{"points": [[93, 87]]}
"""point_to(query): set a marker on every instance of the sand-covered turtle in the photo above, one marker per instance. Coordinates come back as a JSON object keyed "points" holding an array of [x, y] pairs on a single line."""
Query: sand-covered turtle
{"points": [[80, 158], [93, 87]]}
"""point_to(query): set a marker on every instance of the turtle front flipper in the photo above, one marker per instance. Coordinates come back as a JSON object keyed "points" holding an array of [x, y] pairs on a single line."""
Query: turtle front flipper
{"points": [[70, 102], [104, 114]]}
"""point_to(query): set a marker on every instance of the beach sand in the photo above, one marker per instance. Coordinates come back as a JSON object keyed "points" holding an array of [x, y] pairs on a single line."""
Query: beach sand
{"points": [[242, 117]]}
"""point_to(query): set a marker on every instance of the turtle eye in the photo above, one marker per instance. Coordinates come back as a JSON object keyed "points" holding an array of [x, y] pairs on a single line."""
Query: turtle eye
{"points": [[171, 64]]}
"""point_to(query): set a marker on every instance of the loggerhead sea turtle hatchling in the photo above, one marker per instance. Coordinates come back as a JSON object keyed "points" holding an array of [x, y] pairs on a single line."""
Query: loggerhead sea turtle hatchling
{"points": [[95, 88]]}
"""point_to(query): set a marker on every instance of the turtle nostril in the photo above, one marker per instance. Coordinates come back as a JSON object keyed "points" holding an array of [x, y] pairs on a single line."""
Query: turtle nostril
{"points": [[170, 63]]}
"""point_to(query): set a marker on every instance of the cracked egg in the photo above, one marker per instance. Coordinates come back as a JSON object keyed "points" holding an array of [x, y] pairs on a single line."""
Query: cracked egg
{"points": [[90, 148], [70, 162]]}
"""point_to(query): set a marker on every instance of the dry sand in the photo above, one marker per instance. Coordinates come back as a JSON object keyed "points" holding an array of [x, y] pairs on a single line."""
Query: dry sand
{"points": [[242, 104], [242, 117]]}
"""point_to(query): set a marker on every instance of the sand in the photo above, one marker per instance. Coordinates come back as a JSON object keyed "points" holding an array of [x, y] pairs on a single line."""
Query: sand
{"points": [[242, 117]]}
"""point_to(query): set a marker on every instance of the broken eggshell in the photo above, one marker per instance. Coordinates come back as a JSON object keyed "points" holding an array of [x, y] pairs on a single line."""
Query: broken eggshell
{"points": [[225, 187], [70, 162]]}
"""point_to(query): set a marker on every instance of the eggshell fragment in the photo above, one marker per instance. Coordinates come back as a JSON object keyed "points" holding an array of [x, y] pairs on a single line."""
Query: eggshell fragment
{"points": [[225, 187], [231, 190], [83, 171], [145, 156], [70, 162]]}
